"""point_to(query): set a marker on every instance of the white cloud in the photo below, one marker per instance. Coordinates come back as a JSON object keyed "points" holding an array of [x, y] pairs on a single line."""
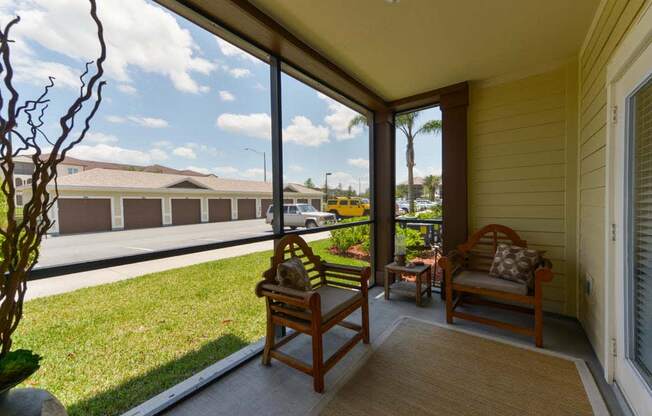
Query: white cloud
{"points": [[106, 153], [185, 152], [127, 89], [138, 34], [226, 96], [163, 143], [115, 119], [205, 171], [97, 137], [230, 51], [359, 163], [205, 149], [256, 173], [302, 131], [296, 168], [151, 122], [339, 118], [225, 170], [239, 72], [257, 125]]}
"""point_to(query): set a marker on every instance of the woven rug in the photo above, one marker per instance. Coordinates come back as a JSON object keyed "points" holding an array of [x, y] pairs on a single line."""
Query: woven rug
{"points": [[421, 368]]}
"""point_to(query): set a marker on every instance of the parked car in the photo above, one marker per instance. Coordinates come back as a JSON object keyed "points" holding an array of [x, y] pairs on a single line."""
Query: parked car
{"points": [[301, 215], [344, 207]]}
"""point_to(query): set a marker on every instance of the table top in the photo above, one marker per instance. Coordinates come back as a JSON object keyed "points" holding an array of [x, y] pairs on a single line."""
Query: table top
{"points": [[404, 269]]}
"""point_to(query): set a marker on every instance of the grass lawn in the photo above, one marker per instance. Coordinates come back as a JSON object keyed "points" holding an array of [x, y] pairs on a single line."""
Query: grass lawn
{"points": [[108, 348]]}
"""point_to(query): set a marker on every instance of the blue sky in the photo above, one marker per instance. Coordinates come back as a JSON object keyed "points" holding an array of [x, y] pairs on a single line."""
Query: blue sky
{"points": [[178, 96]]}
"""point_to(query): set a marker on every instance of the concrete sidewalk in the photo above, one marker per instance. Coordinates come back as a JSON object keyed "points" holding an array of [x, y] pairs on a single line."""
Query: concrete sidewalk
{"points": [[70, 282]]}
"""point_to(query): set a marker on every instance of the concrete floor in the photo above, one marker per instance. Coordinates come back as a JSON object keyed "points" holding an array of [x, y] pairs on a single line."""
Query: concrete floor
{"points": [[279, 390]]}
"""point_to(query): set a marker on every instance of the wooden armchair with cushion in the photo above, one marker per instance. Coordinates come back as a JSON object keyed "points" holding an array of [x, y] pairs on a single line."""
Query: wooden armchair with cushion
{"points": [[467, 276], [330, 294]]}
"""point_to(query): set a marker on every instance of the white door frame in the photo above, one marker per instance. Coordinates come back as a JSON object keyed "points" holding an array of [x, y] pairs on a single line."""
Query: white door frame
{"points": [[630, 62]]}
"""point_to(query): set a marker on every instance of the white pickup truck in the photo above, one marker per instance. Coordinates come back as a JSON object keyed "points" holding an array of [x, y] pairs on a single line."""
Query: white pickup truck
{"points": [[301, 215]]}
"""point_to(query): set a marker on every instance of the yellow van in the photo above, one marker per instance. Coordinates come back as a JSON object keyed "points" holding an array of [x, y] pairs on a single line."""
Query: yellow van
{"points": [[345, 207]]}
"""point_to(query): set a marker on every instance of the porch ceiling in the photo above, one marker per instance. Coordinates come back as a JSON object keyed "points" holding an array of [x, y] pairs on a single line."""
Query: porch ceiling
{"points": [[413, 46]]}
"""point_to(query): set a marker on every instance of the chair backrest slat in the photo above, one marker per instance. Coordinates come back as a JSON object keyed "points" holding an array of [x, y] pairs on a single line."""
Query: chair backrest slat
{"points": [[295, 246], [480, 248]]}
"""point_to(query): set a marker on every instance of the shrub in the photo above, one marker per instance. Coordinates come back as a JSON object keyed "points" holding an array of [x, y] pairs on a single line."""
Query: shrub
{"points": [[345, 238]]}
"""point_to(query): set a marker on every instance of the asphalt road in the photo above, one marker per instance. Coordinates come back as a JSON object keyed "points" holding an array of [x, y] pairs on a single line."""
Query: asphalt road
{"points": [[57, 250]]}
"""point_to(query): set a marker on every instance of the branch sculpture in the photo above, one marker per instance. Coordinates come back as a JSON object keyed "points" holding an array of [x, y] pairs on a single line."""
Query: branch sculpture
{"points": [[21, 133]]}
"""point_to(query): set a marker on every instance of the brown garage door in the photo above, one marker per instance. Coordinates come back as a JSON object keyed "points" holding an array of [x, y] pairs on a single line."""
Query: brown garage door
{"points": [[317, 204], [219, 210], [246, 209], [142, 213], [84, 215], [288, 201], [186, 211], [264, 206], [302, 201]]}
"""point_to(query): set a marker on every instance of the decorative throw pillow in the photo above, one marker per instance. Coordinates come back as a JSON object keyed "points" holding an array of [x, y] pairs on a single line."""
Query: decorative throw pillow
{"points": [[515, 263], [291, 273]]}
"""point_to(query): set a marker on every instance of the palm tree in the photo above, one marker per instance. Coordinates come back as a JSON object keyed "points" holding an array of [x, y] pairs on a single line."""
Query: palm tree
{"points": [[406, 123], [431, 184]]}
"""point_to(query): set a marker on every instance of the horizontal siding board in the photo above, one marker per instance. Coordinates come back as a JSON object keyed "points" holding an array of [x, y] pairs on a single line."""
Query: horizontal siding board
{"points": [[519, 148], [521, 160], [525, 134], [520, 121], [593, 179], [530, 172], [518, 198], [518, 185], [541, 102], [597, 141]]}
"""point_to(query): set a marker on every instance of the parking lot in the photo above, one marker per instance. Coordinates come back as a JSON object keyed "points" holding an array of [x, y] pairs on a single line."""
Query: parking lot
{"points": [[57, 250]]}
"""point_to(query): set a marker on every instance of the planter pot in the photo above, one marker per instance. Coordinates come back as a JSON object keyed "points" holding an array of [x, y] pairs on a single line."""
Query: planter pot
{"points": [[400, 259], [30, 402]]}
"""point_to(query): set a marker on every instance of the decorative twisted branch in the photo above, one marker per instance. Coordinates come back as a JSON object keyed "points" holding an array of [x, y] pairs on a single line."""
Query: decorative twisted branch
{"points": [[20, 131]]}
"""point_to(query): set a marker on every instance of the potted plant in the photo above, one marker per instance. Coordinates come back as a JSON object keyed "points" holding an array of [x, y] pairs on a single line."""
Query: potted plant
{"points": [[23, 133]]}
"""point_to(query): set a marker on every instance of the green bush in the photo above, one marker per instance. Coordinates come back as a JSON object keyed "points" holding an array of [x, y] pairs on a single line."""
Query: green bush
{"points": [[413, 241], [345, 238], [434, 213]]}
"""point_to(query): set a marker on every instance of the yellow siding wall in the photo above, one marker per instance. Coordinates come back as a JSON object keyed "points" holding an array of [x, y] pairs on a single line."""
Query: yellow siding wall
{"points": [[522, 151], [613, 21]]}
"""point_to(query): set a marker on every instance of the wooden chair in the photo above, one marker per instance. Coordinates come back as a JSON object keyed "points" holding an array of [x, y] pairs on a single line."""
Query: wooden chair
{"points": [[466, 274], [337, 291]]}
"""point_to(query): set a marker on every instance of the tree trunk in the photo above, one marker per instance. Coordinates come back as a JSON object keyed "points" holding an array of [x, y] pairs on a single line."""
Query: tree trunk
{"points": [[409, 158]]}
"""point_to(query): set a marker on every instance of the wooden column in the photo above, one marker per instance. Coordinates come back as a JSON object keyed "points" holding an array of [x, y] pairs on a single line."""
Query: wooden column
{"points": [[453, 106], [383, 145]]}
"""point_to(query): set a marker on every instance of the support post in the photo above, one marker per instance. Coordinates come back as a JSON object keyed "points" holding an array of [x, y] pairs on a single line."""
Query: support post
{"points": [[453, 107], [383, 171]]}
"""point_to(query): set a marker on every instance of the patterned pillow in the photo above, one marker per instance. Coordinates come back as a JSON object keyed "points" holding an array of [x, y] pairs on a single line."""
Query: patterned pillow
{"points": [[515, 263], [291, 273]]}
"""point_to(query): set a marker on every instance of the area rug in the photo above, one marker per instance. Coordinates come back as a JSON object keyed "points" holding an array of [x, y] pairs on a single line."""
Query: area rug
{"points": [[421, 368]]}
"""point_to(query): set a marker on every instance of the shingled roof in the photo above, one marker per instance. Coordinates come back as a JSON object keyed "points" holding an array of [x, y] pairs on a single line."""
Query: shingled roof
{"points": [[100, 178]]}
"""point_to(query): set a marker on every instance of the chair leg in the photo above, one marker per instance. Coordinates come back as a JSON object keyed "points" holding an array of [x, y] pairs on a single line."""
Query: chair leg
{"points": [[449, 301], [365, 322], [317, 362], [269, 338], [538, 321]]}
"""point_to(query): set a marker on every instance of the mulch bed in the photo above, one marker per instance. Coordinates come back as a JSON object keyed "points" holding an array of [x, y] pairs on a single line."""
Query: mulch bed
{"points": [[427, 257]]}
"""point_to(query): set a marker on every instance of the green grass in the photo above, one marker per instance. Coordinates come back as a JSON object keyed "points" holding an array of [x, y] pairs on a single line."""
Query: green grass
{"points": [[109, 348]]}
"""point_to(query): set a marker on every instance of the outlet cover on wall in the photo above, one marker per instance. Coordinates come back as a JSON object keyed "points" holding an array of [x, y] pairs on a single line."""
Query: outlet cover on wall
{"points": [[588, 284]]}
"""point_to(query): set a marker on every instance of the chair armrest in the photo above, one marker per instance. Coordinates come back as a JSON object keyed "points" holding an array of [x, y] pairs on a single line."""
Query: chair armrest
{"points": [[543, 273], [453, 261], [353, 273], [284, 294]]}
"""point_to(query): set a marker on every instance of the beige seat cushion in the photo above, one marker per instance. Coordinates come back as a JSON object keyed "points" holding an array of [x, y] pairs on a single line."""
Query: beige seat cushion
{"points": [[335, 299], [482, 280]]}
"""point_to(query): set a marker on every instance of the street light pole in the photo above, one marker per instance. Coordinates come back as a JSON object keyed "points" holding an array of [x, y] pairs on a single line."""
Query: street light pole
{"points": [[326, 184], [264, 161]]}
